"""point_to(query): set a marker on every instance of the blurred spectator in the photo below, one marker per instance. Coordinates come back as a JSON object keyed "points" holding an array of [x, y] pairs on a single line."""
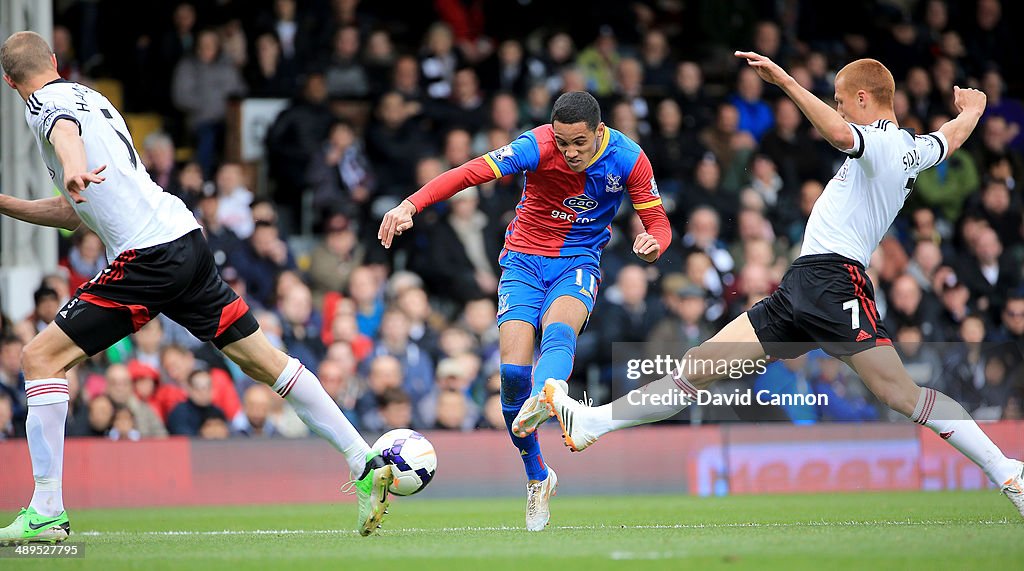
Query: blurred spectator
{"points": [[384, 373], [394, 144], [188, 417], [925, 262], [789, 145], [706, 191], [179, 363], [295, 30], [97, 422], [438, 60], [255, 419], [846, 398], [988, 272], [121, 392], [789, 377], [223, 242], [414, 303], [158, 156], [202, 85], [945, 186], [599, 60], [395, 410], [512, 73], [453, 412], [996, 135], [631, 315], [702, 235], [12, 382], [269, 73], [214, 428], [379, 59], [294, 138], [965, 362], [301, 325], [340, 175], [464, 247], [47, 302], [338, 376], [1001, 209], [658, 68], [1000, 104], [755, 114], [8, 428], [478, 319], [86, 258], [674, 151], [922, 360], [910, 306], [451, 377], [332, 261], [731, 146], [264, 256], [417, 366], [365, 291], [464, 108], [685, 326], [235, 200], [697, 106], [161, 398], [345, 75]]}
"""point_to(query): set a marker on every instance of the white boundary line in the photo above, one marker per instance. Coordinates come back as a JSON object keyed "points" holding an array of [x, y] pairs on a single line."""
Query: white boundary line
{"points": [[750, 525]]}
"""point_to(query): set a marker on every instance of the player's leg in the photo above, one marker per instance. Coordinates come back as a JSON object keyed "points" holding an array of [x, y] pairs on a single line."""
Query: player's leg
{"points": [[211, 311], [570, 288], [516, 341], [45, 360], [563, 319], [583, 425], [883, 373]]}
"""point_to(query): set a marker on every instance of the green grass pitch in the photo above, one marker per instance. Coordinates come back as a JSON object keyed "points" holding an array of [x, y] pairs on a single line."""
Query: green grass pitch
{"points": [[907, 531]]}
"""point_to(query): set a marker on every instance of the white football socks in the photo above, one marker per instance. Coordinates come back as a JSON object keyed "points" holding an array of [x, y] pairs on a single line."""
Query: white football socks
{"points": [[674, 393], [44, 427], [303, 390], [952, 423]]}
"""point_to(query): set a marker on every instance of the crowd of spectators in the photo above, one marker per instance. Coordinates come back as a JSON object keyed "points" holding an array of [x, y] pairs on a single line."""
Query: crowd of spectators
{"points": [[407, 337]]}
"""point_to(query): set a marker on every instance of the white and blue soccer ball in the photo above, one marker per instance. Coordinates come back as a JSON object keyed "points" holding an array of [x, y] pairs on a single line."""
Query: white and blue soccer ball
{"points": [[413, 458]]}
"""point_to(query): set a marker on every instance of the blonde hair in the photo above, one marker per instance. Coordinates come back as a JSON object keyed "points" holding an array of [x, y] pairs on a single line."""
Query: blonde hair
{"points": [[871, 76], [25, 54]]}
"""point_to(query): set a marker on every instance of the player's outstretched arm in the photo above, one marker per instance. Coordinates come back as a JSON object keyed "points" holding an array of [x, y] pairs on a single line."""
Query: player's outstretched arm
{"points": [[443, 187], [54, 212], [970, 103], [70, 149], [825, 119]]}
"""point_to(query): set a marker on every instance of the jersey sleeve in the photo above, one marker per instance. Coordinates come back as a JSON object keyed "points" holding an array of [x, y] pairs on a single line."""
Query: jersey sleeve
{"points": [[522, 154], [643, 192], [932, 148], [45, 114], [858, 142]]}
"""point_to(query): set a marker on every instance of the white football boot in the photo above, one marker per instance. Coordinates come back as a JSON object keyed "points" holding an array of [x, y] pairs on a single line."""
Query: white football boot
{"points": [[571, 414], [532, 414], [1014, 489], [538, 496]]}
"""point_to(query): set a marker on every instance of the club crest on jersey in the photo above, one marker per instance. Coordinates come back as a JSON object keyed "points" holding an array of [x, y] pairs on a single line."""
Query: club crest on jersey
{"points": [[843, 171], [502, 153], [612, 185], [580, 204]]}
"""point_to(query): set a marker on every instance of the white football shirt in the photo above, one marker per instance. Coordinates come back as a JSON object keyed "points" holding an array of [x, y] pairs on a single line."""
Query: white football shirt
{"points": [[128, 210], [860, 202]]}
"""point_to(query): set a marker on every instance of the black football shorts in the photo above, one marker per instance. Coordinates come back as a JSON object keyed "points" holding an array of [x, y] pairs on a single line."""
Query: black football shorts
{"points": [[178, 278], [824, 300]]}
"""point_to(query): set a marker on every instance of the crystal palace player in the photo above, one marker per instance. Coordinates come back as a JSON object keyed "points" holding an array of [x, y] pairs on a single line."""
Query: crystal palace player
{"points": [[826, 298], [160, 263], [578, 171]]}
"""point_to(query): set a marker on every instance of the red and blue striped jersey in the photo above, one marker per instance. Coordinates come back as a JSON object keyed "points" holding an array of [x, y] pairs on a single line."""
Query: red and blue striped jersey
{"points": [[565, 213], [562, 212]]}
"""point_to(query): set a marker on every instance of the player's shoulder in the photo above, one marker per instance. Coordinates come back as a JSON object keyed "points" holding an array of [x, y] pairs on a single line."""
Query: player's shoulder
{"points": [[58, 91], [542, 134]]}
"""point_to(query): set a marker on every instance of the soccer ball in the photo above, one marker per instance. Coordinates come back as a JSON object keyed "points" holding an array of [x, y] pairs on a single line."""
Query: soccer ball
{"points": [[413, 457]]}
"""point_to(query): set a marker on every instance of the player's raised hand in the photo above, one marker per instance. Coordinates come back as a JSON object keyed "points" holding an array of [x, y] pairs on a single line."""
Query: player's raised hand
{"points": [[765, 68], [77, 183], [396, 221], [646, 247], [969, 99]]}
